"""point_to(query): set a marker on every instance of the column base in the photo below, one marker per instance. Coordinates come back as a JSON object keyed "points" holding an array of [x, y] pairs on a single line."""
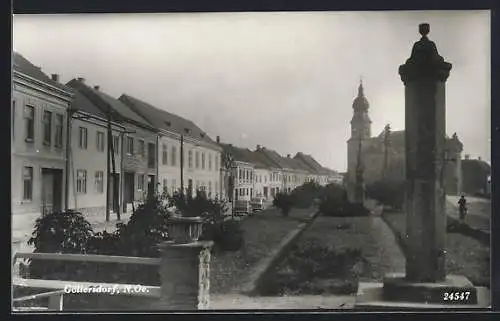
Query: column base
{"points": [[396, 293]]}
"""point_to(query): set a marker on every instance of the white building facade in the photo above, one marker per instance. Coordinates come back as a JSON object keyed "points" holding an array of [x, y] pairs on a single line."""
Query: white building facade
{"points": [[38, 144]]}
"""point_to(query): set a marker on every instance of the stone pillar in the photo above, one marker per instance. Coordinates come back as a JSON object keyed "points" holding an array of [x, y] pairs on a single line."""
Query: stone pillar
{"points": [[424, 75], [185, 276]]}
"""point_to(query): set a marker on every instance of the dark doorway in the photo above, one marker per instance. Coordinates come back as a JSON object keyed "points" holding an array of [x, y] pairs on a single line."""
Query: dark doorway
{"points": [[51, 190], [129, 189], [266, 191], [114, 181], [151, 186]]}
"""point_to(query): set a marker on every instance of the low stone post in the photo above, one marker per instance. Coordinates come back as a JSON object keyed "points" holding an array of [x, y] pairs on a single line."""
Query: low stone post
{"points": [[185, 275], [185, 266]]}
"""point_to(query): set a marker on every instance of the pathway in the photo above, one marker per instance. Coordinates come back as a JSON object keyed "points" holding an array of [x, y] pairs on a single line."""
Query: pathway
{"points": [[240, 302], [479, 213]]}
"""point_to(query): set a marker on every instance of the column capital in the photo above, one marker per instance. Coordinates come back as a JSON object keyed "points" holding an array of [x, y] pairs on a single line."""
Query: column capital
{"points": [[425, 63]]}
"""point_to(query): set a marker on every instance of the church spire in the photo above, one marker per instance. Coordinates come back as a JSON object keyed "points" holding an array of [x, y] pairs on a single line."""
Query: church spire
{"points": [[361, 92]]}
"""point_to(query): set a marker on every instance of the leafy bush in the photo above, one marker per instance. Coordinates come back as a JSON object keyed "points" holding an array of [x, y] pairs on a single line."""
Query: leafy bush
{"points": [[388, 192], [334, 202], [284, 202], [305, 194], [61, 232]]}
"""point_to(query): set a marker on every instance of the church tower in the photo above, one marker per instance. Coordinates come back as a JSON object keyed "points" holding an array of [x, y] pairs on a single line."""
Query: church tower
{"points": [[360, 122], [360, 133]]}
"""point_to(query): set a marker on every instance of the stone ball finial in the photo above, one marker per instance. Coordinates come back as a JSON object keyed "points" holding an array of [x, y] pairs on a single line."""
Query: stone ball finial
{"points": [[424, 29]]}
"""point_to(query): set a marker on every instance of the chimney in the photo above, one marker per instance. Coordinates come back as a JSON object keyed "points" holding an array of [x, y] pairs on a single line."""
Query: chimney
{"points": [[96, 87], [217, 139], [479, 158], [80, 79], [55, 77], [258, 147]]}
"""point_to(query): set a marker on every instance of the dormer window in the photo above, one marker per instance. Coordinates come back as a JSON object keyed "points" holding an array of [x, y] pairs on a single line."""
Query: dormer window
{"points": [[168, 123], [202, 135], [186, 130]]}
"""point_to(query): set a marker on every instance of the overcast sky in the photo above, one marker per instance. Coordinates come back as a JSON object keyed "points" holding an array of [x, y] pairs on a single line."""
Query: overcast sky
{"points": [[282, 80]]}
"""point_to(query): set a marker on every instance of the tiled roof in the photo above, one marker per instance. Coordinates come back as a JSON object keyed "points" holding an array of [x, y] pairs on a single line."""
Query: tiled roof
{"points": [[23, 65], [311, 162], [82, 103], [275, 157], [239, 154], [103, 101], [165, 120]]}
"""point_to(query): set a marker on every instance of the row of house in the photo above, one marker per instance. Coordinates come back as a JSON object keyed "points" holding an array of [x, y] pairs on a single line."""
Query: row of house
{"points": [[76, 147]]}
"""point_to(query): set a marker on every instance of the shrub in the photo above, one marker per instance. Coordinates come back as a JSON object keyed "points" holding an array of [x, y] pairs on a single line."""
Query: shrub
{"points": [[284, 202], [61, 232], [226, 235], [388, 192], [334, 202], [305, 194]]}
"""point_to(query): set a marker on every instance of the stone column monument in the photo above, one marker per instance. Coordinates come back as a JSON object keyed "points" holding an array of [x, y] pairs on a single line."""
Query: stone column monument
{"points": [[425, 283], [424, 75]]}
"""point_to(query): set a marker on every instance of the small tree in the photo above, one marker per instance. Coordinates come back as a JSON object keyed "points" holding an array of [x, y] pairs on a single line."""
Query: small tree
{"points": [[388, 192], [284, 202], [305, 194]]}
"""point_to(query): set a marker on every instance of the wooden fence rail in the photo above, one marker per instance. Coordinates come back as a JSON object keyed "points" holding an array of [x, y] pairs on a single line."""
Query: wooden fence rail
{"points": [[56, 296]]}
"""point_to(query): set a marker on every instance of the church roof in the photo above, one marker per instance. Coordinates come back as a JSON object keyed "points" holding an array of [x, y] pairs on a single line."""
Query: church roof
{"points": [[360, 102]]}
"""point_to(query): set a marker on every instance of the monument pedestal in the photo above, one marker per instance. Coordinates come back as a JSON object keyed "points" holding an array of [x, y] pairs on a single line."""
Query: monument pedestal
{"points": [[184, 274], [396, 293]]}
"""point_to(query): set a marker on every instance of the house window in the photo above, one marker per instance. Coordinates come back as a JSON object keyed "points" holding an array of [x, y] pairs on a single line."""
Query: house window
{"points": [[197, 160], [242, 192], [190, 159], [151, 155], [47, 127], [116, 144], [210, 189], [130, 146], [59, 130], [140, 182], [202, 160], [29, 116], [100, 141], [27, 183], [247, 190], [209, 162], [82, 137], [240, 175], [165, 186], [141, 147], [81, 181], [174, 156], [13, 120], [99, 182], [164, 155]]}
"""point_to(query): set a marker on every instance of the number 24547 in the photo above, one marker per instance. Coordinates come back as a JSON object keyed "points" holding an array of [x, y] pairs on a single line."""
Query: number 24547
{"points": [[456, 296]]}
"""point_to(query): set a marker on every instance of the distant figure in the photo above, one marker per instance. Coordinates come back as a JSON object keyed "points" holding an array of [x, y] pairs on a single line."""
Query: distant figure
{"points": [[462, 208]]}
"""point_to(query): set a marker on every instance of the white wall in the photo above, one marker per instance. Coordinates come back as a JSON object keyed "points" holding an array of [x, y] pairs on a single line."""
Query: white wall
{"points": [[91, 160], [34, 154], [209, 176]]}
